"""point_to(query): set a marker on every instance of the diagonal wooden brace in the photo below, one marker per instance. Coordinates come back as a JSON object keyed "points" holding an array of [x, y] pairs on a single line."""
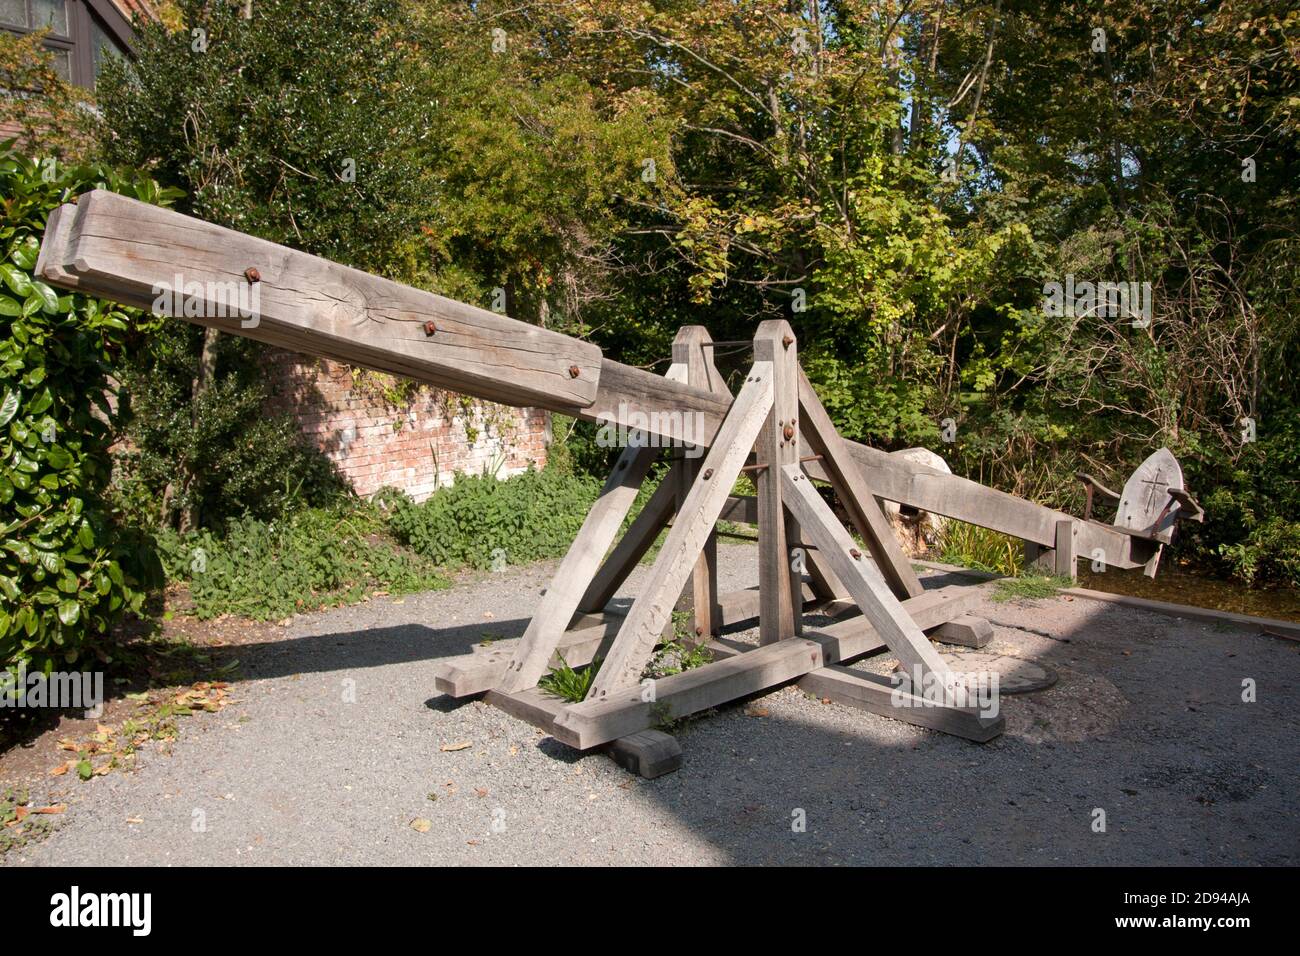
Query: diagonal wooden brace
{"points": [[571, 581], [855, 495], [695, 520], [864, 582]]}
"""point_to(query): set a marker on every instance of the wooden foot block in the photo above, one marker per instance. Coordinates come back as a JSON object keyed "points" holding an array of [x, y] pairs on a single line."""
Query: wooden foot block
{"points": [[966, 630], [875, 694], [649, 753]]}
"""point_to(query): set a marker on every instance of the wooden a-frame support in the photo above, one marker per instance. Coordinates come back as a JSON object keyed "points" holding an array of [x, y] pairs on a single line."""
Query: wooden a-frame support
{"points": [[872, 592]]}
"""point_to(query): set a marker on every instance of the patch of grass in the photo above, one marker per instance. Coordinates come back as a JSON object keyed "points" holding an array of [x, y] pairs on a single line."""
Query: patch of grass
{"points": [[1030, 587], [316, 558], [971, 546], [567, 683]]}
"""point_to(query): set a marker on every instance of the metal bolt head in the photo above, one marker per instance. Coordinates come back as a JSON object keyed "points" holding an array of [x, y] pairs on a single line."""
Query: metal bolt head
{"points": [[787, 341], [574, 371], [430, 328], [708, 473], [788, 432], [252, 275], [855, 554]]}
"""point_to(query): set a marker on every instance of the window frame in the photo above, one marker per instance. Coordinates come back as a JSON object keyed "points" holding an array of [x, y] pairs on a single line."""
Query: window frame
{"points": [[78, 42]]}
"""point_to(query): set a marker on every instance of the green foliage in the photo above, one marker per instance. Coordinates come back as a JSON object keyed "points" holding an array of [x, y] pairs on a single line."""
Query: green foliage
{"points": [[315, 558], [68, 572], [1031, 587], [266, 125], [20, 827], [569, 684], [971, 546], [217, 454], [480, 521], [684, 652], [59, 125], [1252, 524]]}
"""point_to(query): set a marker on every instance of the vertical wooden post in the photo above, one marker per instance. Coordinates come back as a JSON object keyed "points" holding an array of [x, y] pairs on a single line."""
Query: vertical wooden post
{"points": [[781, 603], [1067, 550], [700, 596]]}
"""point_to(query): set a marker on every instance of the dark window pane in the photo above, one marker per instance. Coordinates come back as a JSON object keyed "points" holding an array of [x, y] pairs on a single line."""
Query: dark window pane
{"points": [[13, 12], [103, 46], [52, 14]]}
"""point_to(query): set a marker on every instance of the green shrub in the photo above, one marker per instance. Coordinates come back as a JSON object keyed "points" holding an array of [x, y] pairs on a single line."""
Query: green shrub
{"points": [[299, 124], [480, 521], [316, 558], [67, 571], [1252, 508], [216, 455]]}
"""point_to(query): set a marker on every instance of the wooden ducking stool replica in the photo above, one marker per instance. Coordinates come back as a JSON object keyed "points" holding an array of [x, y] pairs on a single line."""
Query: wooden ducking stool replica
{"points": [[117, 248]]}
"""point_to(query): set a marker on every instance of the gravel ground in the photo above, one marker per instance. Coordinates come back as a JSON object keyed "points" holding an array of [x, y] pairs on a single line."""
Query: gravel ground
{"points": [[1146, 723]]}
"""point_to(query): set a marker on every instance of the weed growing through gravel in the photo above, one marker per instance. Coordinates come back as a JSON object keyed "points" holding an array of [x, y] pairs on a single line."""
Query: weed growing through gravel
{"points": [[1030, 587], [680, 654]]}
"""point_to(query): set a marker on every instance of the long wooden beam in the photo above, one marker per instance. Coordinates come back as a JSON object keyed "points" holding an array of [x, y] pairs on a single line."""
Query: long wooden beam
{"points": [[121, 249], [160, 260], [895, 479]]}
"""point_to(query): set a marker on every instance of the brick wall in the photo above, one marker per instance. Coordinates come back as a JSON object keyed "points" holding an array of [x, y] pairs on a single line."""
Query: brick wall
{"points": [[417, 447]]}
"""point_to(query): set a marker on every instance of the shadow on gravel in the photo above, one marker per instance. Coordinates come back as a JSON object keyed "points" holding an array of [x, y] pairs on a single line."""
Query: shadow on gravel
{"points": [[373, 647], [1146, 724]]}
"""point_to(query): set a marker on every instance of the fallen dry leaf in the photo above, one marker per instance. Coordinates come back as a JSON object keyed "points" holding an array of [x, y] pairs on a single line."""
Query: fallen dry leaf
{"points": [[481, 791], [60, 770], [53, 808], [421, 825], [451, 748], [134, 820]]}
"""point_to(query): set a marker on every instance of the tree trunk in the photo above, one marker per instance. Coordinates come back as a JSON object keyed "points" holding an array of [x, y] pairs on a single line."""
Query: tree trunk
{"points": [[202, 382]]}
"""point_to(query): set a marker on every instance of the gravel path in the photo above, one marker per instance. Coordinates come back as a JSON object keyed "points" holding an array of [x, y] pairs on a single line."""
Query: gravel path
{"points": [[1146, 723]]}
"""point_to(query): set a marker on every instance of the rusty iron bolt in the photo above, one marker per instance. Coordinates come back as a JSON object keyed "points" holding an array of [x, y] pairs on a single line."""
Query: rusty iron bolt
{"points": [[787, 341], [252, 275], [574, 371], [708, 473], [430, 328], [788, 432], [699, 632], [855, 554]]}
